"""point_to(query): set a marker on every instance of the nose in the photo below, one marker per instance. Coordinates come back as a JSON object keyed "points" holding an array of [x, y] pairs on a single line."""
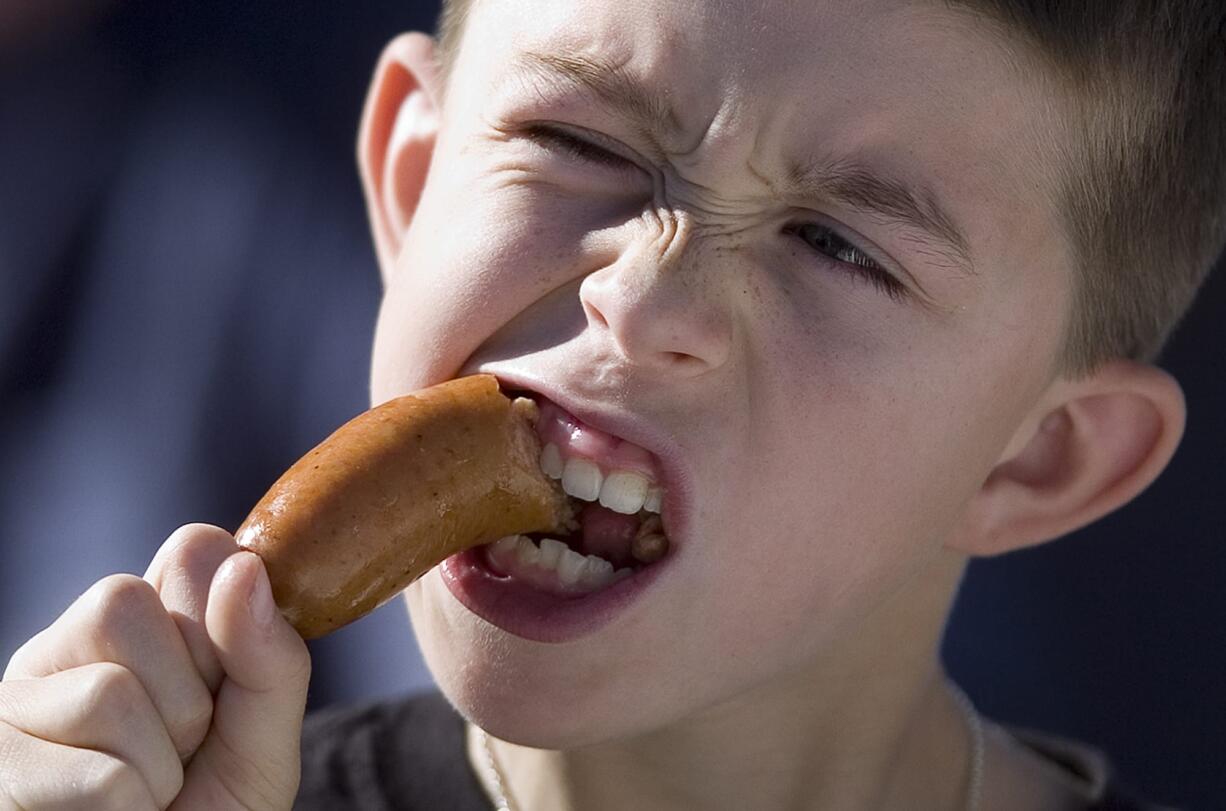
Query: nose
{"points": [[661, 303]]}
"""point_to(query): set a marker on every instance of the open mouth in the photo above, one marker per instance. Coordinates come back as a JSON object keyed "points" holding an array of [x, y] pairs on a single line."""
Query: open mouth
{"points": [[617, 493]]}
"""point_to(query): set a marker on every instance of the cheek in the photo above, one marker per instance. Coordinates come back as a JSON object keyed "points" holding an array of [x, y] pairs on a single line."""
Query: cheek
{"points": [[471, 264], [853, 470]]}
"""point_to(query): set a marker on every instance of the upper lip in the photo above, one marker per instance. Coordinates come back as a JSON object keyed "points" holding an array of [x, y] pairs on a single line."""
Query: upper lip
{"points": [[662, 445]]}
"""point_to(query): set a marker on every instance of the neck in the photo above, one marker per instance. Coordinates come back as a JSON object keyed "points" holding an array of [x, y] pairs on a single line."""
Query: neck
{"points": [[872, 725]]}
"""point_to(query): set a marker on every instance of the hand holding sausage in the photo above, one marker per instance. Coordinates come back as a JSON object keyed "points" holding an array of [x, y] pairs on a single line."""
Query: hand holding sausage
{"points": [[184, 689], [188, 687]]}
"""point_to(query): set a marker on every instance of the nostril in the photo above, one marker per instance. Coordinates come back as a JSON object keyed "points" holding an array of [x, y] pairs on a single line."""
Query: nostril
{"points": [[595, 314]]}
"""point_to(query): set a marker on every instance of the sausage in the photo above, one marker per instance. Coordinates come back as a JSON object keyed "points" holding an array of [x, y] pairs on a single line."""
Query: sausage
{"points": [[394, 492]]}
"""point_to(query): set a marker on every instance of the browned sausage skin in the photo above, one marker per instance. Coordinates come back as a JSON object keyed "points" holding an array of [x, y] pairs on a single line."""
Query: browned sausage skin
{"points": [[394, 492]]}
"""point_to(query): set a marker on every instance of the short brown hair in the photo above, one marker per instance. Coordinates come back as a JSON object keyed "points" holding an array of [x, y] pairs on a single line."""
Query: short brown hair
{"points": [[1143, 191], [449, 31]]}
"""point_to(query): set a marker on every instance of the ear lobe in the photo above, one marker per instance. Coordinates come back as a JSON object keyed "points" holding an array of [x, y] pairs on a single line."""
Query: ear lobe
{"points": [[397, 137], [1104, 441]]}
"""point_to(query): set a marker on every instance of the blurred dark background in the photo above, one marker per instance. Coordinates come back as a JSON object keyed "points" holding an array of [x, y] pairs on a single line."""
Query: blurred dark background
{"points": [[187, 298]]}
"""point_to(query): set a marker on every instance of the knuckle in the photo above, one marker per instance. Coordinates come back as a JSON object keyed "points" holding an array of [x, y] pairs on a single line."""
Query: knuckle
{"points": [[76, 778], [110, 691], [202, 530], [114, 608], [110, 783], [17, 664], [200, 553], [192, 543], [121, 599]]}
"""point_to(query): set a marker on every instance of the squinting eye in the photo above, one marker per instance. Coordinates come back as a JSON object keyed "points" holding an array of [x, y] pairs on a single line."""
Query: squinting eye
{"points": [[829, 244], [576, 147]]}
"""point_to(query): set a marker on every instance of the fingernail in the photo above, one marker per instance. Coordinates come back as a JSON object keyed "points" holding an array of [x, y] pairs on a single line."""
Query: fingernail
{"points": [[260, 602]]}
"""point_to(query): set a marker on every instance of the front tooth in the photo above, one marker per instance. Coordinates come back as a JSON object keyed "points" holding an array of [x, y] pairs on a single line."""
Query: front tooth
{"points": [[598, 572], [528, 552], [551, 551], [624, 492], [551, 461], [654, 497], [571, 566], [581, 479]]}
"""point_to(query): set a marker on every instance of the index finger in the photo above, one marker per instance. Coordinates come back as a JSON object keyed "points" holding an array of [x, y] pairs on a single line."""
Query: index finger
{"points": [[181, 572]]}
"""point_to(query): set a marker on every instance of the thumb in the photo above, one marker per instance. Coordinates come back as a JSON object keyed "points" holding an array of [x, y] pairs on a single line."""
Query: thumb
{"points": [[250, 757]]}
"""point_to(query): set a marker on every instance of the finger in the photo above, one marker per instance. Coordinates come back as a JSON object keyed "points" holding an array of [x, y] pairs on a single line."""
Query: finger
{"points": [[122, 620], [253, 746], [101, 707], [181, 572], [38, 774]]}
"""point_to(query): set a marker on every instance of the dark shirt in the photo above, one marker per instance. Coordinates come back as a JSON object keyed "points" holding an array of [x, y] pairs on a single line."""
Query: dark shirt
{"points": [[409, 754]]}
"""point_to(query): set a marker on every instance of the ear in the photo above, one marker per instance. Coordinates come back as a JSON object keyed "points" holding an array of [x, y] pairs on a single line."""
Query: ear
{"points": [[1090, 447], [396, 141]]}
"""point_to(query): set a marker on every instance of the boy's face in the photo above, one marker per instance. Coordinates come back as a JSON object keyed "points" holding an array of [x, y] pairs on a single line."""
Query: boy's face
{"points": [[833, 429]]}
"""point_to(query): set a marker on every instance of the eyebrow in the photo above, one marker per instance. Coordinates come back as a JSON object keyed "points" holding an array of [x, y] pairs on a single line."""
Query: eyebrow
{"points": [[609, 83], [856, 186], [847, 183]]}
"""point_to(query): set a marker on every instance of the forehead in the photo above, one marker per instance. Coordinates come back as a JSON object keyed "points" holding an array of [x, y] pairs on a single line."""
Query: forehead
{"points": [[925, 94]]}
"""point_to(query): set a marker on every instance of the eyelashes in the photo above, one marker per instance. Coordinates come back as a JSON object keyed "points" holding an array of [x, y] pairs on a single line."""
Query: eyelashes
{"points": [[831, 246], [573, 146], [821, 240]]}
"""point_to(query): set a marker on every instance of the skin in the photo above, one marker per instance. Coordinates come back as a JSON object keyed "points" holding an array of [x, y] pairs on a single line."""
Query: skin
{"points": [[868, 444]]}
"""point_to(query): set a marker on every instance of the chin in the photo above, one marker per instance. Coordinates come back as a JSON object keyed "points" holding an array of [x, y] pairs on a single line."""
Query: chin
{"points": [[531, 720], [529, 693], [534, 713]]}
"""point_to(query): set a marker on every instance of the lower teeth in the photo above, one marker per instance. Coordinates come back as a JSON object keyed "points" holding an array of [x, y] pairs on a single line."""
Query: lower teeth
{"points": [[554, 561]]}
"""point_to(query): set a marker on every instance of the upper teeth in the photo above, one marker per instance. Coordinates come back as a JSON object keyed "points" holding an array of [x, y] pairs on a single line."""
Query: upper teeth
{"points": [[581, 479], [654, 497], [551, 461], [623, 491]]}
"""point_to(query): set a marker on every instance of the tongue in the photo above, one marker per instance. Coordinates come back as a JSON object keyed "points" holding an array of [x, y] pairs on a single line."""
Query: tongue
{"points": [[608, 534]]}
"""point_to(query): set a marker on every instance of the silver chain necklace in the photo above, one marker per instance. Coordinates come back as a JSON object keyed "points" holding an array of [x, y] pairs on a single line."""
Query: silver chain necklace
{"points": [[503, 803], [973, 789], [974, 786]]}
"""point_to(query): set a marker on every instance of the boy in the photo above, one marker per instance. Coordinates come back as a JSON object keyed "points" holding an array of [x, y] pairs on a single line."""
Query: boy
{"points": [[867, 288]]}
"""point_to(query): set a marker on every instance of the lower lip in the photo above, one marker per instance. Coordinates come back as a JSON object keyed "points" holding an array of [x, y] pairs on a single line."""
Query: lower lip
{"points": [[527, 612]]}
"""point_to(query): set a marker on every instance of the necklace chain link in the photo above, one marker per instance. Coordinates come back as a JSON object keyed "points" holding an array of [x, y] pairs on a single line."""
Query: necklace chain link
{"points": [[974, 723], [503, 802]]}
